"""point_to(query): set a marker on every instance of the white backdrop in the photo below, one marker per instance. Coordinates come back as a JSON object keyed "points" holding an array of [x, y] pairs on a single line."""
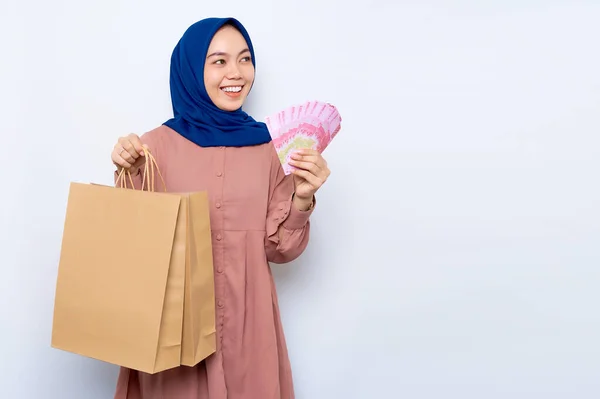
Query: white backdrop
{"points": [[456, 248]]}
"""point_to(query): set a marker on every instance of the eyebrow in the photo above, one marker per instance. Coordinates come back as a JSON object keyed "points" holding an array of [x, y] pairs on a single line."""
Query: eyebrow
{"points": [[221, 53]]}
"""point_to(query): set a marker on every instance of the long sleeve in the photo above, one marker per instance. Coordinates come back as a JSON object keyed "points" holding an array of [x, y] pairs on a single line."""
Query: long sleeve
{"points": [[288, 228]]}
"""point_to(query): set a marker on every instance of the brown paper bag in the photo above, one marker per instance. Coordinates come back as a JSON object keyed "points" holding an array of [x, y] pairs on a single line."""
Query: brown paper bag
{"points": [[135, 283], [199, 333]]}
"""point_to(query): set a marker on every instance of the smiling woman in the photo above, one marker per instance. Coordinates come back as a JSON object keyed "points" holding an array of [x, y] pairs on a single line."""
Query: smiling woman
{"points": [[258, 214], [229, 72]]}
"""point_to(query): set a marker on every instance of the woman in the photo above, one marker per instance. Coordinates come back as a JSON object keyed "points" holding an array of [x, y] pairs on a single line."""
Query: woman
{"points": [[257, 214]]}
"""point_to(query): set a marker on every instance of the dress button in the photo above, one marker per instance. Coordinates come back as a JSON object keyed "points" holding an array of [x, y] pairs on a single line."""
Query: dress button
{"points": [[218, 205], [220, 270], [220, 303], [219, 174], [219, 237]]}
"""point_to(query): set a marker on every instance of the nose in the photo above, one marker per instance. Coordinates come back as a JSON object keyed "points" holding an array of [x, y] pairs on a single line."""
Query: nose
{"points": [[233, 72]]}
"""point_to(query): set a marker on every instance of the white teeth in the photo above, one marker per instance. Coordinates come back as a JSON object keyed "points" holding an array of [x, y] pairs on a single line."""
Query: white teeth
{"points": [[234, 89]]}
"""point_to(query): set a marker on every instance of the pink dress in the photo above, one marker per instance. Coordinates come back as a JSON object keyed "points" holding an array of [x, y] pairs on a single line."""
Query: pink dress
{"points": [[253, 221]]}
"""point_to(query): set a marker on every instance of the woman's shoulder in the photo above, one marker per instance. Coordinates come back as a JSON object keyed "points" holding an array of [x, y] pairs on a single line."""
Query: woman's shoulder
{"points": [[156, 135]]}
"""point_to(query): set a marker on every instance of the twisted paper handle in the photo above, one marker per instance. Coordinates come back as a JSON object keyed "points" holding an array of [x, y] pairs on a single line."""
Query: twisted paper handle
{"points": [[148, 171]]}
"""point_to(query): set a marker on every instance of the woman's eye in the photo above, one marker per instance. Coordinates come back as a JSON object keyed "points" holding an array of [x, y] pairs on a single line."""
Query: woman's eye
{"points": [[219, 62], [246, 59]]}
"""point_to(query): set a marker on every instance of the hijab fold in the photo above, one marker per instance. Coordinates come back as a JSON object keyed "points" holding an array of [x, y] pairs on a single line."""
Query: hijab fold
{"points": [[195, 116]]}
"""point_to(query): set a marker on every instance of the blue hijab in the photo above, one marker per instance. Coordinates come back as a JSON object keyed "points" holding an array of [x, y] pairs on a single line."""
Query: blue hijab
{"points": [[196, 117]]}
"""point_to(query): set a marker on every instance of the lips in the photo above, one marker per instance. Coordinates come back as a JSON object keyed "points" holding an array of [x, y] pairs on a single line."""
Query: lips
{"points": [[232, 89], [233, 92]]}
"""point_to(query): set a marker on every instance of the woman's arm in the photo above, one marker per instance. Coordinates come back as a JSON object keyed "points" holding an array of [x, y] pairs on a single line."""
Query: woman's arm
{"points": [[288, 224]]}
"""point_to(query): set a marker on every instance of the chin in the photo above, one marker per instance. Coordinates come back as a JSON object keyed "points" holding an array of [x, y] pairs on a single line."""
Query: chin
{"points": [[228, 104]]}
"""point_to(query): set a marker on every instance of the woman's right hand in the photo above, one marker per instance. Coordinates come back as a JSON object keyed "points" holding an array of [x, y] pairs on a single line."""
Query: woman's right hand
{"points": [[128, 153]]}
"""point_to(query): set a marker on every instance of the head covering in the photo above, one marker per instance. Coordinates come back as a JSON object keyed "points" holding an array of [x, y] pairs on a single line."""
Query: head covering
{"points": [[196, 117]]}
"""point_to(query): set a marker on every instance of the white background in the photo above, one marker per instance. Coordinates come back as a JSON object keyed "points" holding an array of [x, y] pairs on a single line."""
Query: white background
{"points": [[455, 250]]}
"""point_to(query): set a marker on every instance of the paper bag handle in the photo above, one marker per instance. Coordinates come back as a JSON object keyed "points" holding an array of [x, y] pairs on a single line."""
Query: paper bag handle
{"points": [[148, 170]]}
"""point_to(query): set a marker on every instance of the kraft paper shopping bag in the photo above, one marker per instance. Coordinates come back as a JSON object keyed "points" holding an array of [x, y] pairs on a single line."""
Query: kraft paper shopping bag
{"points": [[135, 285], [199, 333]]}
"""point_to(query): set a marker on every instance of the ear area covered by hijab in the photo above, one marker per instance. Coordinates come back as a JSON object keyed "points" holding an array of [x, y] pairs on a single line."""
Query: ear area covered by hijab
{"points": [[195, 116]]}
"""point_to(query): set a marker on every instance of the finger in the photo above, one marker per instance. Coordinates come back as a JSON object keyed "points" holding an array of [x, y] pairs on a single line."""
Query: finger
{"points": [[309, 156], [309, 166], [121, 151], [317, 167], [307, 151], [130, 148], [314, 155], [303, 158], [137, 144], [313, 180], [120, 161]]}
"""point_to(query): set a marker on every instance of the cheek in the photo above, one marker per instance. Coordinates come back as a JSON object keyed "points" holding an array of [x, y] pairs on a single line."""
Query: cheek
{"points": [[249, 74], [212, 80]]}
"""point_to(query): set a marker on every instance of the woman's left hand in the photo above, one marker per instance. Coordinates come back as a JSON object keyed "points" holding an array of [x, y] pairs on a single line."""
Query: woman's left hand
{"points": [[310, 173]]}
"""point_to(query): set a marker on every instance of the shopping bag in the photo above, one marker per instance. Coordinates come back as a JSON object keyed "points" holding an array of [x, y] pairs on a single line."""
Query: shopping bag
{"points": [[199, 332], [132, 265]]}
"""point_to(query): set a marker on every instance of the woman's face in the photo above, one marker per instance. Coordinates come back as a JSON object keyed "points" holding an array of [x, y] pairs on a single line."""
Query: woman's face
{"points": [[228, 70]]}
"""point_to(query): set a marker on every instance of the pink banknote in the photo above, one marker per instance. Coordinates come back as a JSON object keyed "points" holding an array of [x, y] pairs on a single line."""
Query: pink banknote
{"points": [[310, 125]]}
